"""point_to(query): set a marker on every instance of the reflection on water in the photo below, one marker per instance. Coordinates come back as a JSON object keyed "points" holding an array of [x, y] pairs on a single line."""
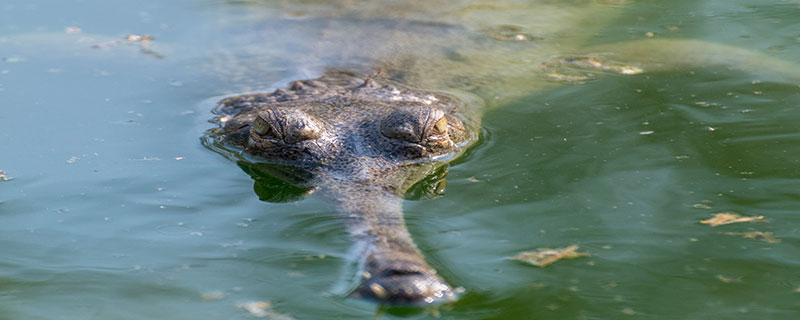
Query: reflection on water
{"points": [[115, 209]]}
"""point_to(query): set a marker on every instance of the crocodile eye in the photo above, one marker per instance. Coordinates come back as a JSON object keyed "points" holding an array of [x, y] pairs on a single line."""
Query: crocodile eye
{"points": [[262, 127], [414, 124], [440, 127], [286, 124]]}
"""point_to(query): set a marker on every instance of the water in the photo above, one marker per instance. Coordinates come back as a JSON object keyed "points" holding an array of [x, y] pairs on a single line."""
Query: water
{"points": [[116, 211]]}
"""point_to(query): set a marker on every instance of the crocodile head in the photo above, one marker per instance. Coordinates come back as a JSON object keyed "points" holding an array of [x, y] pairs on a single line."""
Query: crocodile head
{"points": [[346, 128]]}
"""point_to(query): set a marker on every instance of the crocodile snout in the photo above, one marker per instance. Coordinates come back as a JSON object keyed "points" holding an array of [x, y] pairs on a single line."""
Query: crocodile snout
{"points": [[401, 286]]}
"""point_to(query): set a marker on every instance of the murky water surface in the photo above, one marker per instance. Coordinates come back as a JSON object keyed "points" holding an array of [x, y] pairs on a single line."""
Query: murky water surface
{"points": [[114, 209]]}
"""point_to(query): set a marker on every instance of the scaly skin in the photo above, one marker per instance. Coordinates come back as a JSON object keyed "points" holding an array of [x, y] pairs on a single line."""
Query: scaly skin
{"points": [[362, 142]]}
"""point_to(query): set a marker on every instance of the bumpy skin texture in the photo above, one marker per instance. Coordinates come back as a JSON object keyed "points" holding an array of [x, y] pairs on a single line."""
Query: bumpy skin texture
{"points": [[361, 142]]}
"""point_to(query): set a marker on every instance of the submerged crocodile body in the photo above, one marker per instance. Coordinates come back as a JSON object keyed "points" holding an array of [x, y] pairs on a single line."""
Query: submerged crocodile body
{"points": [[360, 142]]}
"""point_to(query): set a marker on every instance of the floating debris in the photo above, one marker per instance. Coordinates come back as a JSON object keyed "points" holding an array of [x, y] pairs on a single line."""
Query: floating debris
{"points": [[146, 158], [14, 59], [543, 257], [579, 69], [706, 104], [728, 218], [72, 160], [72, 30], [213, 295], [671, 28], [507, 32], [256, 308], [628, 311], [235, 244], [756, 235], [4, 177], [141, 41], [597, 63], [562, 77], [136, 37], [728, 279], [262, 309]]}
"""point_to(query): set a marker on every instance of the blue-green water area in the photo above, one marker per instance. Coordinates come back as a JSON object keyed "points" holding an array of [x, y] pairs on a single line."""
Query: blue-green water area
{"points": [[112, 208]]}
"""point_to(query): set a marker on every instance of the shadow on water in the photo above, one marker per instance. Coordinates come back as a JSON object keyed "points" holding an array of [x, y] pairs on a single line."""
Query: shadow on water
{"points": [[273, 183]]}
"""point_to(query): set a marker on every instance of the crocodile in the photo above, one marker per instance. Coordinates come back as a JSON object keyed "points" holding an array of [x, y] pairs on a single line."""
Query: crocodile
{"points": [[361, 142], [379, 121]]}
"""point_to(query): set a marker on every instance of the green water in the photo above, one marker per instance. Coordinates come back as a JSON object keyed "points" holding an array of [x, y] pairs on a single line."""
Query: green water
{"points": [[116, 211]]}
